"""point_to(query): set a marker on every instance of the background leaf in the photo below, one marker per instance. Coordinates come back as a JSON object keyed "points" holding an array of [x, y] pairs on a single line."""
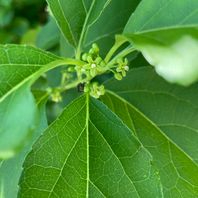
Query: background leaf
{"points": [[18, 114], [172, 108], [10, 170], [84, 154], [165, 123], [48, 36]]}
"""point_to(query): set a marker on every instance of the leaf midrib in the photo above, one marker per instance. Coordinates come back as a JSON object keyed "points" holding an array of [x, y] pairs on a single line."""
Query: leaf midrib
{"points": [[87, 134]]}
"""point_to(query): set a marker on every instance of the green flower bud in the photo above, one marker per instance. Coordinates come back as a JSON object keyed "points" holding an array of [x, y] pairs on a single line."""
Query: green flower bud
{"points": [[118, 76], [91, 51], [96, 91], [95, 48], [126, 68], [123, 73], [93, 72], [93, 65], [56, 95], [86, 88], [98, 60], [71, 69], [84, 57], [83, 70], [126, 61], [89, 59], [102, 63]]}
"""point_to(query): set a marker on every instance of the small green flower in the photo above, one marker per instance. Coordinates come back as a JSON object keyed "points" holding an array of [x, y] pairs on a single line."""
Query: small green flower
{"points": [[122, 66], [56, 95], [95, 89], [118, 76], [95, 64]]}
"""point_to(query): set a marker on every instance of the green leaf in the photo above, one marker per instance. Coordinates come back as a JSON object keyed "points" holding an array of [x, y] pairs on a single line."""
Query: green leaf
{"points": [[10, 170], [163, 117], [111, 21], [48, 37], [90, 16], [172, 108], [89, 152], [66, 49], [167, 38], [18, 66], [70, 15]]}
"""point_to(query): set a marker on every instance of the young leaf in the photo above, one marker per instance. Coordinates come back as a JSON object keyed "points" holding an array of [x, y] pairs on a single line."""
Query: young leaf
{"points": [[89, 152], [10, 170], [167, 38], [167, 128]]}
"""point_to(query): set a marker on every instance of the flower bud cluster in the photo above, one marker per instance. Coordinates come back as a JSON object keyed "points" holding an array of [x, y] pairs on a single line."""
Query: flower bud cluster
{"points": [[94, 64], [94, 89], [55, 94]]}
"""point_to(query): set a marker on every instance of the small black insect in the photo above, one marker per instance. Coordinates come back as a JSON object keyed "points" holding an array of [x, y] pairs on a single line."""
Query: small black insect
{"points": [[81, 87]]}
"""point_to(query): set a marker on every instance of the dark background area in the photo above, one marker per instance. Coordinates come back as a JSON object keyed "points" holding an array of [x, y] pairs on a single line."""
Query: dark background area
{"points": [[20, 17]]}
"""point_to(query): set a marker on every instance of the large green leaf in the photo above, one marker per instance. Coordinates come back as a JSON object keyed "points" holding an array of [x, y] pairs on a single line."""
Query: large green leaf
{"points": [[171, 108], [163, 117], [166, 32], [111, 21], [70, 15], [89, 23], [18, 66], [10, 170], [74, 26], [89, 152]]}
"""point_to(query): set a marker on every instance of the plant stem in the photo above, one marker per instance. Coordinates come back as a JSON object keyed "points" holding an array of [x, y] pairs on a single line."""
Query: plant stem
{"points": [[108, 66], [122, 54], [119, 41]]}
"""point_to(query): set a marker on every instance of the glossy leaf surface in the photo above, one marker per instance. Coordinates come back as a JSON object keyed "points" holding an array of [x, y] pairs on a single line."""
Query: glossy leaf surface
{"points": [[90, 152], [165, 123]]}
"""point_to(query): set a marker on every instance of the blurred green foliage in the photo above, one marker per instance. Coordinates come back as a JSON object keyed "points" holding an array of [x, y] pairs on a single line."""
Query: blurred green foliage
{"points": [[17, 17]]}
